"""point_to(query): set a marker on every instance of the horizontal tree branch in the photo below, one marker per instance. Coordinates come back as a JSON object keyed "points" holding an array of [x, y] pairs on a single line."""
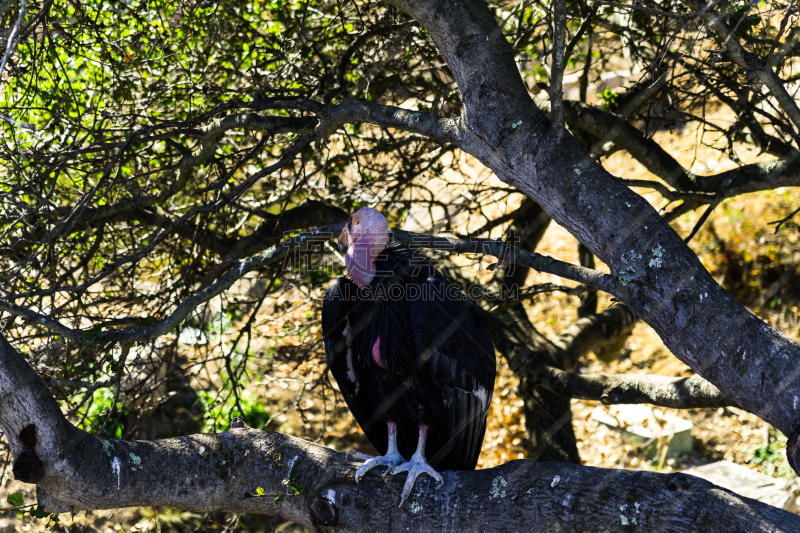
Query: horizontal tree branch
{"points": [[677, 393], [506, 254], [503, 251], [329, 118], [252, 471], [355, 110]]}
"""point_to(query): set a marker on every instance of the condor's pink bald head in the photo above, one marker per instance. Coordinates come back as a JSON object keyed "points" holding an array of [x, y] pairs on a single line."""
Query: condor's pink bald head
{"points": [[362, 240]]}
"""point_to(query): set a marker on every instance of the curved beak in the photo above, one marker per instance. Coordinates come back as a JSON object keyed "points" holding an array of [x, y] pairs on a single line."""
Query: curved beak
{"points": [[345, 239]]}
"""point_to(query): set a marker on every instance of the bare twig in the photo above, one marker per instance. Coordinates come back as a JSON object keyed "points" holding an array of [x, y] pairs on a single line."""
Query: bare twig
{"points": [[755, 66], [701, 221], [586, 23], [784, 220]]}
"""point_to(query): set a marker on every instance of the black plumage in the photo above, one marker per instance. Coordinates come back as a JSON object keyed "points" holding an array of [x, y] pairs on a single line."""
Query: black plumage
{"points": [[437, 356]]}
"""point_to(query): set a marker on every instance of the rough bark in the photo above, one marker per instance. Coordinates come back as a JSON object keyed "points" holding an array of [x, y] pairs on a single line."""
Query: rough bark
{"points": [[243, 471], [655, 273]]}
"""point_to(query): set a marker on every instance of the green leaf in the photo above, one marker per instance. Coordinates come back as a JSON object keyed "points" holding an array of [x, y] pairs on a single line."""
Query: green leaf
{"points": [[279, 498], [15, 500], [38, 513]]}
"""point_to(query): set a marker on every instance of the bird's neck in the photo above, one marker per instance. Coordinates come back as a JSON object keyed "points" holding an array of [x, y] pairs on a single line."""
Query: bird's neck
{"points": [[360, 263]]}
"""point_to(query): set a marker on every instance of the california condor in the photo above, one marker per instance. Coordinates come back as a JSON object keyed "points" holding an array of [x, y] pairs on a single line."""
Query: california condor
{"points": [[412, 356]]}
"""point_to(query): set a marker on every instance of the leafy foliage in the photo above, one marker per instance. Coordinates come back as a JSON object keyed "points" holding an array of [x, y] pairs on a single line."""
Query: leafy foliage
{"points": [[15, 500], [770, 457], [219, 413], [97, 413]]}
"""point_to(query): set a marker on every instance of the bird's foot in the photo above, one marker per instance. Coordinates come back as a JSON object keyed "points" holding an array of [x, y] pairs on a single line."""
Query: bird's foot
{"points": [[389, 460], [415, 468], [358, 456]]}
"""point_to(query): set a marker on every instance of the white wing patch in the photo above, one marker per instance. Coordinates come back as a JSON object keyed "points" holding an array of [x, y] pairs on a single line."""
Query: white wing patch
{"points": [[482, 394], [351, 373]]}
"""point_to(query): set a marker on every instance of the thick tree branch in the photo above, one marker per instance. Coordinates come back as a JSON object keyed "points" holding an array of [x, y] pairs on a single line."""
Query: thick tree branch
{"points": [[594, 332], [658, 276], [243, 471], [357, 110], [676, 393], [507, 253]]}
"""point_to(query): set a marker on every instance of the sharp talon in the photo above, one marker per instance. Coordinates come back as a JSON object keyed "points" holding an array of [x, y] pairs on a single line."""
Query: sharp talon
{"points": [[415, 468], [358, 456], [389, 460]]}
